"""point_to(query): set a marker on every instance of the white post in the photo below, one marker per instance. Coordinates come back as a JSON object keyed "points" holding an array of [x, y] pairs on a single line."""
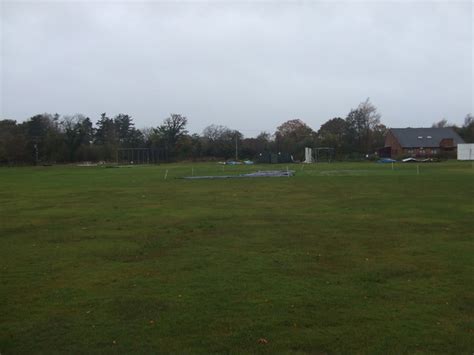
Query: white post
{"points": [[417, 169], [392, 165], [166, 174]]}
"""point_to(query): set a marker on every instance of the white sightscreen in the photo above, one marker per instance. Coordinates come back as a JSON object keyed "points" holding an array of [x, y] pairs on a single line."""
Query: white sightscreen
{"points": [[465, 151], [308, 155]]}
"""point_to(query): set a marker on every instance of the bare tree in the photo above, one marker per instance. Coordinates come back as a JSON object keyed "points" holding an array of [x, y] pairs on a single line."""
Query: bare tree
{"points": [[361, 123], [221, 141], [441, 124]]}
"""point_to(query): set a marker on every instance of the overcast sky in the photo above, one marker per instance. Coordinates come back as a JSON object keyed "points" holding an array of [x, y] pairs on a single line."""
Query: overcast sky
{"points": [[249, 66]]}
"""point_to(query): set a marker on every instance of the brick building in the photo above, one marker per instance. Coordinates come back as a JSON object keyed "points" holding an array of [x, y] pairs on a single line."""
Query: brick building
{"points": [[420, 142]]}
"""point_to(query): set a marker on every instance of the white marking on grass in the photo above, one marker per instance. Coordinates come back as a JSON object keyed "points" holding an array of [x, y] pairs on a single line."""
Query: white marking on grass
{"points": [[345, 172]]}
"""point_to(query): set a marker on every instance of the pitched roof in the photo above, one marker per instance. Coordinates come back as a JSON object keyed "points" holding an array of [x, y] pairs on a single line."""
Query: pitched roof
{"points": [[424, 137]]}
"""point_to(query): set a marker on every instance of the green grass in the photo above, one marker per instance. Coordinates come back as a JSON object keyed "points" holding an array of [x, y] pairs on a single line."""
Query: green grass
{"points": [[341, 258]]}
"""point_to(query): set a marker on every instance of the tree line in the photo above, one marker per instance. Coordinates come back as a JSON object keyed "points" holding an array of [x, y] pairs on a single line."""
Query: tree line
{"points": [[51, 138]]}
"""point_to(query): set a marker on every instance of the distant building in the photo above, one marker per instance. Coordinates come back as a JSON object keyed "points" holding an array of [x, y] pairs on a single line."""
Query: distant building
{"points": [[420, 142]]}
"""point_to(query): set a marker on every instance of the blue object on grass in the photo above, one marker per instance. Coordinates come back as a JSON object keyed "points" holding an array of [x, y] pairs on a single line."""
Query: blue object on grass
{"points": [[386, 160]]}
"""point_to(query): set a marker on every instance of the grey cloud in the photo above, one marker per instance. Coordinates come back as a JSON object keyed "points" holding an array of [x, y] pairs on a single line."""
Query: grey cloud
{"points": [[249, 66]]}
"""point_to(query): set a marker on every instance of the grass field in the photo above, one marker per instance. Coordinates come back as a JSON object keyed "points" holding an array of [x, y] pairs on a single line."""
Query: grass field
{"points": [[341, 258]]}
